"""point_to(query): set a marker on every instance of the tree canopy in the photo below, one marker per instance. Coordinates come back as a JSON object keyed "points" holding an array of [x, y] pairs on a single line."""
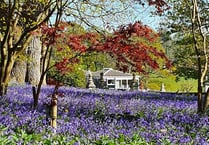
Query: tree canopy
{"points": [[122, 44]]}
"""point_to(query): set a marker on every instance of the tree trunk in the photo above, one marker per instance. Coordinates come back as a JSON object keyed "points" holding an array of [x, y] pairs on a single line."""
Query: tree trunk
{"points": [[3, 89], [206, 101], [35, 96], [33, 66], [36, 91], [200, 86], [5, 72], [199, 100], [44, 62], [19, 72], [54, 111]]}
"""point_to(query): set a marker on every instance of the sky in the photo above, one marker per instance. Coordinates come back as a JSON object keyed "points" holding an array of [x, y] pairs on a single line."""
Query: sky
{"points": [[152, 21], [134, 13], [144, 14]]}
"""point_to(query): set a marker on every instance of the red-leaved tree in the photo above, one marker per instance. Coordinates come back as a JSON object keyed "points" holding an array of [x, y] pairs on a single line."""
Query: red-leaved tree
{"points": [[122, 44]]}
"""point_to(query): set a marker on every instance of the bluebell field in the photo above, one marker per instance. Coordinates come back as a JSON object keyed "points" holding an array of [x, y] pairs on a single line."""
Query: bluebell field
{"points": [[102, 117]]}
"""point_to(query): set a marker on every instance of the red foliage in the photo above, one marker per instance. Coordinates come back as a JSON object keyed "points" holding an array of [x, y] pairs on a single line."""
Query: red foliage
{"points": [[50, 34], [66, 65], [160, 5], [82, 42], [53, 82], [130, 52], [120, 45]]}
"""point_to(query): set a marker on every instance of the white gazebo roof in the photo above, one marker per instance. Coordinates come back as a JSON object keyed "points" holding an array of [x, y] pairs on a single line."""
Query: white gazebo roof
{"points": [[111, 72]]}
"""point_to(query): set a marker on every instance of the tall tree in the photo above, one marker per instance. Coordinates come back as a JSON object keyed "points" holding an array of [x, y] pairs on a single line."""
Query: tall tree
{"points": [[200, 32], [17, 20], [193, 21]]}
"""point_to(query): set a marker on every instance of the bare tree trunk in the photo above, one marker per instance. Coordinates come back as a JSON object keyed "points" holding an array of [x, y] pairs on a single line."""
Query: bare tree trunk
{"points": [[6, 68], [19, 72], [33, 66], [44, 61], [53, 111], [206, 101], [199, 99]]}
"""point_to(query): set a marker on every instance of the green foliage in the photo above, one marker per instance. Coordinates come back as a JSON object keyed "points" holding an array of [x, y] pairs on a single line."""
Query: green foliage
{"points": [[74, 28], [178, 38], [75, 77], [4, 140], [121, 140], [20, 136], [180, 50], [24, 138], [97, 61]]}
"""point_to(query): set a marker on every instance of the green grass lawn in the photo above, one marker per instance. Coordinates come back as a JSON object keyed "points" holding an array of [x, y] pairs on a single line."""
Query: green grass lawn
{"points": [[171, 85]]}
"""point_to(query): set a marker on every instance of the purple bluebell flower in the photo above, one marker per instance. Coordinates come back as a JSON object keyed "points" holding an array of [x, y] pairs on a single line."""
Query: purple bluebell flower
{"points": [[88, 115]]}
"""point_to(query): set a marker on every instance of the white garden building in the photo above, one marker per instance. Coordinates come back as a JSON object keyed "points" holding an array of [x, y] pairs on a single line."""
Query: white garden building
{"points": [[114, 79]]}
